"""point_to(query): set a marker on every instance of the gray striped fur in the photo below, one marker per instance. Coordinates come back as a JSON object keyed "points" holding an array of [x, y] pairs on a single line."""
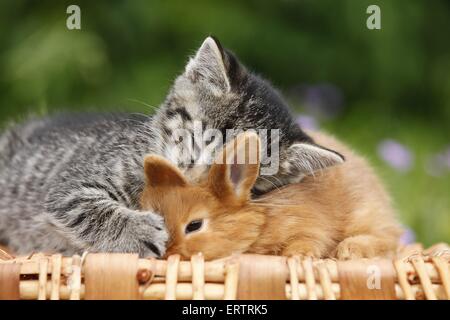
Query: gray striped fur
{"points": [[70, 183]]}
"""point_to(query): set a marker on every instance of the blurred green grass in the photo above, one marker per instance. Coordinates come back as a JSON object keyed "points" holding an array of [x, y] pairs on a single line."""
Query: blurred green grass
{"points": [[394, 82]]}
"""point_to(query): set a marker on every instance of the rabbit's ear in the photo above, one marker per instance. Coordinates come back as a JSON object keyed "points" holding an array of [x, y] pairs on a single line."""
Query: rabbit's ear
{"points": [[236, 168], [160, 172]]}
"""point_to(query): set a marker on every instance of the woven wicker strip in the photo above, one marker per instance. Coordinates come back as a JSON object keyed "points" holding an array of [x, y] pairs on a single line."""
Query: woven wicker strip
{"points": [[413, 274], [231, 279], [198, 277], [56, 276], [172, 277], [292, 265], [367, 280], [75, 278], [9, 281], [111, 276], [442, 267], [325, 281], [262, 277], [403, 280], [309, 279], [43, 269], [419, 265]]}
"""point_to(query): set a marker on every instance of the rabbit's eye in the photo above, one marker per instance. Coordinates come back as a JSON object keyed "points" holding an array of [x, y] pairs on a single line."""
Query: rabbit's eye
{"points": [[193, 226]]}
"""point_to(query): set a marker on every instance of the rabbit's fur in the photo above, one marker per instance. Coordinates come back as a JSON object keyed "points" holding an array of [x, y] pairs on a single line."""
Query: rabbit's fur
{"points": [[342, 211]]}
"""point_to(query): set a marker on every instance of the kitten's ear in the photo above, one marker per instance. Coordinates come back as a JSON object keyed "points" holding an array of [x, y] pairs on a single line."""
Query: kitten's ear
{"points": [[208, 65], [159, 172], [236, 168], [305, 159]]}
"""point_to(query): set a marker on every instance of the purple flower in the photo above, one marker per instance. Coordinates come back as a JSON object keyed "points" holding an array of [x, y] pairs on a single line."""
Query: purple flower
{"points": [[438, 164], [444, 158], [323, 100], [407, 237], [396, 155], [307, 122]]}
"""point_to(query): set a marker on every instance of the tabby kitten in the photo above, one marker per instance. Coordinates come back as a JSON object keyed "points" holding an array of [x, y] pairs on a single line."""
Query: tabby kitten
{"points": [[70, 183]]}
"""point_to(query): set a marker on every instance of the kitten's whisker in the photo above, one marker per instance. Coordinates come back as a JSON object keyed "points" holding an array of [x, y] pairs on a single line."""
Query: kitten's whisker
{"points": [[277, 180], [143, 103], [141, 114], [273, 184]]}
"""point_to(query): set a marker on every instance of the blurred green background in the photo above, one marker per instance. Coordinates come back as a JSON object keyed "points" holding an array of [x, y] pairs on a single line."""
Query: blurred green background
{"points": [[385, 92]]}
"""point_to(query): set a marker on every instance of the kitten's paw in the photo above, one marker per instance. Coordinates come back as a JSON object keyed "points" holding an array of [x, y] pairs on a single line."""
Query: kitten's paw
{"points": [[152, 234]]}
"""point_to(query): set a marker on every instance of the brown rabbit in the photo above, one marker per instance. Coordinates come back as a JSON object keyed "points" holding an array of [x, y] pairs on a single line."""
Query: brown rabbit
{"points": [[341, 212]]}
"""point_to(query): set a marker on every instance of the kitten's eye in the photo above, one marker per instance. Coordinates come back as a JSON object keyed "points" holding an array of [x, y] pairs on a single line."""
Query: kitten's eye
{"points": [[193, 226]]}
